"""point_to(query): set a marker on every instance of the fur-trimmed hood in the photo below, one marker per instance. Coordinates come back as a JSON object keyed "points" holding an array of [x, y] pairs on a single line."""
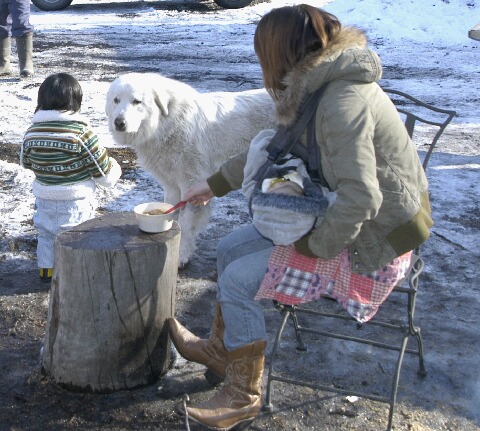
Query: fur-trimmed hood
{"points": [[43, 116], [346, 57]]}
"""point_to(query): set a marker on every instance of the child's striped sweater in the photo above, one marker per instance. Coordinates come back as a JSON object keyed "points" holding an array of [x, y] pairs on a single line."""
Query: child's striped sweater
{"points": [[62, 150]]}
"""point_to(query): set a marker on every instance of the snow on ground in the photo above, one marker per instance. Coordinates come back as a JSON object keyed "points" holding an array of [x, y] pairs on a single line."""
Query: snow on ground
{"points": [[423, 45]]}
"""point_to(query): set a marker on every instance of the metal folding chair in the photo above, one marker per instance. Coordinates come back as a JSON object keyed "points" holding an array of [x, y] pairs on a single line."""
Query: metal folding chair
{"points": [[413, 111]]}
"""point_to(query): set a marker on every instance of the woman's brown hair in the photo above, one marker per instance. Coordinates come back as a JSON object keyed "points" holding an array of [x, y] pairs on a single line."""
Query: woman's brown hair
{"points": [[285, 35]]}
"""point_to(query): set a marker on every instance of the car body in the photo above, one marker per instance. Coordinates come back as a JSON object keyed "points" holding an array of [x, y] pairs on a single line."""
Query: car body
{"points": [[53, 5]]}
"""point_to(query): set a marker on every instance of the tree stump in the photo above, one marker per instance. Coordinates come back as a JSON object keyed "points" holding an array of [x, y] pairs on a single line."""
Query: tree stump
{"points": [[112, 290]]}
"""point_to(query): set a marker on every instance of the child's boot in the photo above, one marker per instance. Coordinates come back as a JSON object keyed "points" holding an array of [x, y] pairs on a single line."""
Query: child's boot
{"points": [[46, 275]]}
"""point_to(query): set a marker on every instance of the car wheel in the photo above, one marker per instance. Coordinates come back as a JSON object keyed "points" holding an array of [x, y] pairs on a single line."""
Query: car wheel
{"points": [[49, 5], [233, 4]]}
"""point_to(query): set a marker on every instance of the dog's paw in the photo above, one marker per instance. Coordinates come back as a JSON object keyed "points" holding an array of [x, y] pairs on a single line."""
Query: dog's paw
{"points": [[187, 250], [183, 263]]}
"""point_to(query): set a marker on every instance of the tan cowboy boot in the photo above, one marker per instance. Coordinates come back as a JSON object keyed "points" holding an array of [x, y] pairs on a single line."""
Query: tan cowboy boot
{"points": [[5, 49], [25, 54], [210, 352], [239, 401]]}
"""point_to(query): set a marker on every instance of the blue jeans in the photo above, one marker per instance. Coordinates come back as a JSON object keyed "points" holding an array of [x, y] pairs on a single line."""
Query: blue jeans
{"points": [[52, 217], [14, 18], [242, 258]]}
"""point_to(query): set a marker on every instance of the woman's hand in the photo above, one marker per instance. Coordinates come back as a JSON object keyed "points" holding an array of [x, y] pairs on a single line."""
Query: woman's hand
{"points": [[199, 194], [301, 247]]}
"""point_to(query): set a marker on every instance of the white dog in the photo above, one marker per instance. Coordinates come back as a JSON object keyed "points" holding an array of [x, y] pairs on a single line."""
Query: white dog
{"points": [[182, 136]]}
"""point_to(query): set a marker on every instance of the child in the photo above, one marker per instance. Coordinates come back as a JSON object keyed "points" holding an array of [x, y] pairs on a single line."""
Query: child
{"points": [[68, 162]]}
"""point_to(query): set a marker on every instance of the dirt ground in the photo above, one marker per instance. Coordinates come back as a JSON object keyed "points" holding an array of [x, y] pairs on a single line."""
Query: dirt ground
{"points": [[448, 398]]}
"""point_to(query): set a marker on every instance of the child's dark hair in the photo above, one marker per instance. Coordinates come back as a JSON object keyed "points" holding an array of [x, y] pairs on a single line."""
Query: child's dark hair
{"points": [[59, 92]]}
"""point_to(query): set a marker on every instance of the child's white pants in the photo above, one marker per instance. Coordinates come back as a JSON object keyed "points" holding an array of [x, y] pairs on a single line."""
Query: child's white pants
{"points": [[52, 217]]}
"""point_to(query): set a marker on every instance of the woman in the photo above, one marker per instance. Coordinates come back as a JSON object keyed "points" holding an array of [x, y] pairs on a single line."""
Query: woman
{"points": [[381, 210]]}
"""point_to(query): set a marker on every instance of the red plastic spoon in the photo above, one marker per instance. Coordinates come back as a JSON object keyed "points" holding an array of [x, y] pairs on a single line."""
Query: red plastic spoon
{"points": [[181, 204]]}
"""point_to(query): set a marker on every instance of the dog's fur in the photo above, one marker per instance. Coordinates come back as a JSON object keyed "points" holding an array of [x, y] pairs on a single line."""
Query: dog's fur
{"points": [[182, 136]]}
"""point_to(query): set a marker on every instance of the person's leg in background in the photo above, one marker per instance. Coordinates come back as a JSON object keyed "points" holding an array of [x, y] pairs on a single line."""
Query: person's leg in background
{"points": [[5, 38], [22, 31]]}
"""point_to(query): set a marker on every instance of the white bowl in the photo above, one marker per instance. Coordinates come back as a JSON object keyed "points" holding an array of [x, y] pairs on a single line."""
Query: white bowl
{"points": [[154, 223]]}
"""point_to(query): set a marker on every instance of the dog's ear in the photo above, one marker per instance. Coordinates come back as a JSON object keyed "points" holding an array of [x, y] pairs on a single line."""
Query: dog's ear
{"points": [[107, 101], [162, 99]]}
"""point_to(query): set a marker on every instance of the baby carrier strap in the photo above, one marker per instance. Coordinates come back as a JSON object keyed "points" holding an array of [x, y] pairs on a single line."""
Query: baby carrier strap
{"points": [[313, 159], [287, 140]]}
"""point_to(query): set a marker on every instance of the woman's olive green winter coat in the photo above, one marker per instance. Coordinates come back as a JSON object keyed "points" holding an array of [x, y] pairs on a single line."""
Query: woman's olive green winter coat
{"points": [[382, 208]]}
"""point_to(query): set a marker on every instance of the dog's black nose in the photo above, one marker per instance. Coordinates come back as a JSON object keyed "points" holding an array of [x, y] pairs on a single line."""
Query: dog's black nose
{"points": [[119, 124]]}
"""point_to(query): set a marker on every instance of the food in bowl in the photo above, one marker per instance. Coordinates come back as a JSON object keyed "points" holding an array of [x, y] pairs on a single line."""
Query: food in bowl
{"points": [[157, 211], [151, 218]]}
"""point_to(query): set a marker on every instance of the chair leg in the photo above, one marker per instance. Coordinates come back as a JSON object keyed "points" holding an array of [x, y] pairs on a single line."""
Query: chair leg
{"points": [[415, 331], [395, 381], [300, 344], [268, 405], [421, 362]]}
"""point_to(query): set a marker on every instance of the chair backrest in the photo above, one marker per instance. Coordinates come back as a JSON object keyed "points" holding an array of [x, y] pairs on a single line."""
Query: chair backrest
{"points": [[415, 111]]}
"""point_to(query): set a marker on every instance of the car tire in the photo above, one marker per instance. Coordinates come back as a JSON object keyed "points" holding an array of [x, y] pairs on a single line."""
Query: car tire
{"points": [[49, 5], [233, 4]]}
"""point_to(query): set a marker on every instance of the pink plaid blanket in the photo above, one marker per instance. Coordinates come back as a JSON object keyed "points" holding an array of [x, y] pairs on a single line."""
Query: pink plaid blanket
{"points": [[292, 278]]}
